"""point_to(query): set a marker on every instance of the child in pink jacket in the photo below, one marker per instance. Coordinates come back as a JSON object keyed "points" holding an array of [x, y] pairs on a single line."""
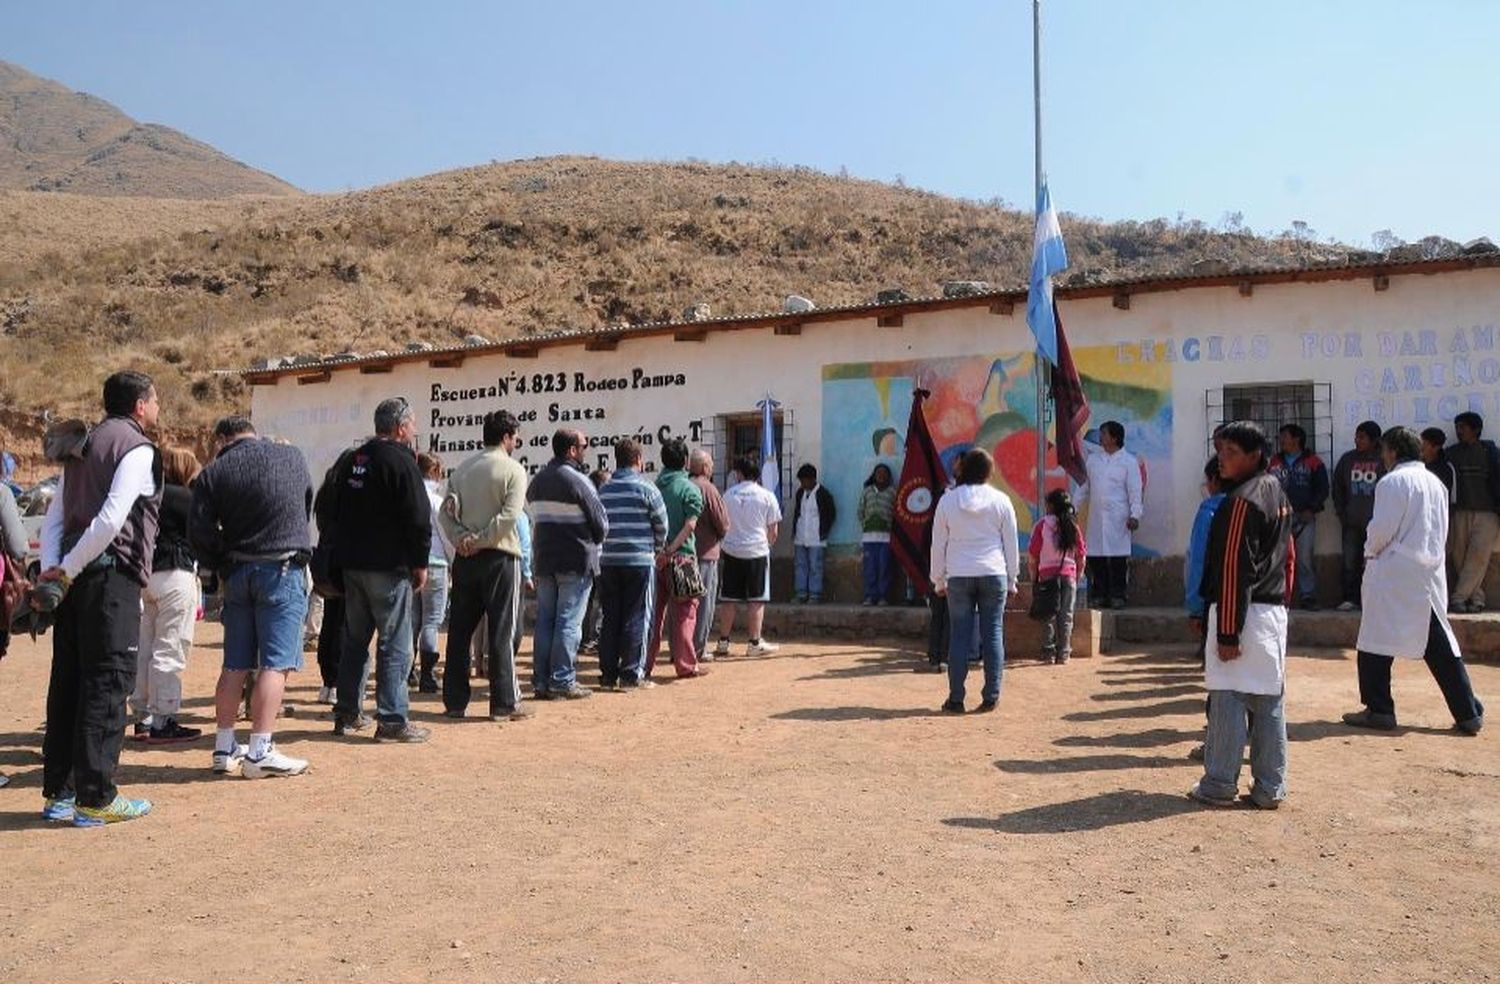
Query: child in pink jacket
{"points": [[1058, 550]]}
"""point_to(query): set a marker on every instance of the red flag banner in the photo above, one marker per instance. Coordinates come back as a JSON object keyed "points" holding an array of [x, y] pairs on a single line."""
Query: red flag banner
{"points": [[1070, 409], [923, 480]]}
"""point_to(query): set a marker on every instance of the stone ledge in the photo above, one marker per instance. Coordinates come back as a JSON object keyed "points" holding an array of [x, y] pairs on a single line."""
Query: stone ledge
{"points": [[1478, 635]]}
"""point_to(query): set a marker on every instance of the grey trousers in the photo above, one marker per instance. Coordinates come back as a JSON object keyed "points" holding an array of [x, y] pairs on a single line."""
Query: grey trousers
{"points": [[1057, 635], [710, 571]]}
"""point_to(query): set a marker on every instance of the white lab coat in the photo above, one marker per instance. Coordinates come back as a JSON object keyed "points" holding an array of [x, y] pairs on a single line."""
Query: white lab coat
{"points": [[1404, 555], [1113, 495]]}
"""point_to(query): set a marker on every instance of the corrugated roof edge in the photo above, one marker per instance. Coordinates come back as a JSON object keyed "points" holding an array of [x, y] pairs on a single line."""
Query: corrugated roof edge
{"points": [[527, 345]]}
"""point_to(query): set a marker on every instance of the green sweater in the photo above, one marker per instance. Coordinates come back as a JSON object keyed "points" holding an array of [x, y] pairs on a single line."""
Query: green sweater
{"points": [[876, 508]]}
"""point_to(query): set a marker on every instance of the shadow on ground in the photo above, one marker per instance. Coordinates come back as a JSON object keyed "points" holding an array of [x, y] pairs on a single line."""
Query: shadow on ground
{"points": [[1113, 809]]}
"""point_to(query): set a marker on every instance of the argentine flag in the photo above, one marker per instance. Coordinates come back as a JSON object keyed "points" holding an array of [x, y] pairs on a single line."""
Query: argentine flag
{"points": [[770, 465], [1049, 256]]}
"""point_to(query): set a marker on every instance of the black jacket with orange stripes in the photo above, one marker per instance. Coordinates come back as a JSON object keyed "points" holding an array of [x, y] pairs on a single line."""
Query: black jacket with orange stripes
{"points": [[1251, 557]]}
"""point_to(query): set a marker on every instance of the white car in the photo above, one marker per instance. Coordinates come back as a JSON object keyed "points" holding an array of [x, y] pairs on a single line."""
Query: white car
{"points": [[33, 503]]}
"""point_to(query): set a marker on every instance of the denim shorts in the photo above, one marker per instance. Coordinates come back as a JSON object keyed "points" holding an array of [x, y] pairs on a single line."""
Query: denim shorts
{"points": [[265, 603]]}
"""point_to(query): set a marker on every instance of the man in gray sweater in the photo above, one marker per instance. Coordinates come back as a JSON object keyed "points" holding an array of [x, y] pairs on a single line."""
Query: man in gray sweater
{"points": [[249, 522]]}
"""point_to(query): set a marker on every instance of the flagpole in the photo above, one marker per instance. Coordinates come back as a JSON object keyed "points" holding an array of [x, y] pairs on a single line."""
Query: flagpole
{"points": [[1041, 362]]}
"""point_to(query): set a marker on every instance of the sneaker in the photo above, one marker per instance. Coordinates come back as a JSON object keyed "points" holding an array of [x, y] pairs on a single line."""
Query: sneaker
{"points": [[172, 733], [59, 810], [1458, 608], [868, 602], [762, 648], [1472, 726], [882, 603], [456, 713], [1062, 659], [721, 648], [708, 656], [814, 600], [1197, 752], [637, 684], [228, 763], [1348, 606], [541, 694], [985, 706], [1197, 795], [952, 707], [800, 600], [1250, 799], [427, 683], [140, 731], [1475, 607], [344, 726], [1369, 719], [119, 811], [930, 667], [520, 712], [701, 671], [273, 763], [405, 732], [328, 695], [576, 692]]}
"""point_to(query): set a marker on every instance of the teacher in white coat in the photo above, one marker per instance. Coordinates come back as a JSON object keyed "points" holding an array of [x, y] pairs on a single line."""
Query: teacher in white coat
{"points": [[1404, 555], [1115, 498]]}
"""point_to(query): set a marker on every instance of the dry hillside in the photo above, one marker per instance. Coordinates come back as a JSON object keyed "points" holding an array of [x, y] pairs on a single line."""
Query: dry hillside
{"points": [[500, 251], [55, 139]]}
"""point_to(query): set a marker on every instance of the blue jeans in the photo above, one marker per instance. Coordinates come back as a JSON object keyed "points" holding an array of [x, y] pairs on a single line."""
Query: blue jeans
{"points": [[1307, 574], [433, 606], [379, 604], [265, 604], [560, 603], [809, 562], [1225, 747], [877, 571], [972, 599]]}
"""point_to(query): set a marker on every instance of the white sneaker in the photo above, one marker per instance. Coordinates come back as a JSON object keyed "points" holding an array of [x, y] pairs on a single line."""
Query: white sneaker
{"points": [[272, 764], [328, 695], [228, 763], [721, 648], [762, 648], [1347, 606]]}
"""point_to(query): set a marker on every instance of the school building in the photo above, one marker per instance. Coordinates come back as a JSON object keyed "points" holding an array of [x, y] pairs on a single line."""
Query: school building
{"points": [[1170, 357]]}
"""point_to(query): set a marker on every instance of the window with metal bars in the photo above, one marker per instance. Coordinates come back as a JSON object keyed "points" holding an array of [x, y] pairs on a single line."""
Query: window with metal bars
{"points": [[1309, 404]]}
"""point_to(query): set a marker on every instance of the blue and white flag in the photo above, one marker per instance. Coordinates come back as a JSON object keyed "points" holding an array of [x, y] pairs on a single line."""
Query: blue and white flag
{"points": [[770, 464], [1048, 257]]}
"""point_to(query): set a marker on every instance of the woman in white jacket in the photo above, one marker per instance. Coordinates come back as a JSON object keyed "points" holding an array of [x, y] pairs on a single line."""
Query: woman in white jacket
{"points": [[1406, 593], [975, 558]]}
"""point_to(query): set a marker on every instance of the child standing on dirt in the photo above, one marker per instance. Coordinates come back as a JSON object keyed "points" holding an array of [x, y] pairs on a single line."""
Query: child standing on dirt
{"points": [[1058, 550]]}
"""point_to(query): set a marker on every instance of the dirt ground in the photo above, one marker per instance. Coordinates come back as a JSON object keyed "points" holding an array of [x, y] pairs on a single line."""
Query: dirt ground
{"points": [[806, 817]]}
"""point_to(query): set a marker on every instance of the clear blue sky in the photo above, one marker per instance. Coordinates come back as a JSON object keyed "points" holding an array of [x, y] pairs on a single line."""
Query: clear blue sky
{"points": [[1350, 115]]}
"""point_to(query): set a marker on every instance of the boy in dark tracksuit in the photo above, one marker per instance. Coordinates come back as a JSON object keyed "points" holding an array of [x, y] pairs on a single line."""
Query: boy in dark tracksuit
{"points": [[1304, 479], [1247, 578]]}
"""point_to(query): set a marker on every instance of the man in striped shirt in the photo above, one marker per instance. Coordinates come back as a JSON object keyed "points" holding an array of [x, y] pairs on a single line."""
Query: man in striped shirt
{"points": [[637, 533]]}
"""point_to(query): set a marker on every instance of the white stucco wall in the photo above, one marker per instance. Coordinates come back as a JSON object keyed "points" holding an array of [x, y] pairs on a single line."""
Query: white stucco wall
{"points": [[1415, 353]]}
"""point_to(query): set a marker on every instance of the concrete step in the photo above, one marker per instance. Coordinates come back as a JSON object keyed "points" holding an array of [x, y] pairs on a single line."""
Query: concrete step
{"points": [[1023, 637], [1130, 628]]}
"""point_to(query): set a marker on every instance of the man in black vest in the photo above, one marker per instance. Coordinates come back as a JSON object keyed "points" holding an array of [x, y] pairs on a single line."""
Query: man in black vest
{"points": [[97, 542]]}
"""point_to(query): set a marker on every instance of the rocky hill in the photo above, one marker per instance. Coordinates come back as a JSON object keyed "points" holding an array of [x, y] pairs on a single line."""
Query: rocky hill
{"points": [[499, 251], [55, 139]]}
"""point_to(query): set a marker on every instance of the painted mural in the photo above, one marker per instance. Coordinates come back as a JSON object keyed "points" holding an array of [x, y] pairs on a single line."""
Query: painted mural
{"points": [[990, 401]]}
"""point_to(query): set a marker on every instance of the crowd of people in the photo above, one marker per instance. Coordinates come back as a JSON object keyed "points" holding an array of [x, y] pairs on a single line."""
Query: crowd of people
{"points": [[625, 561]]}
